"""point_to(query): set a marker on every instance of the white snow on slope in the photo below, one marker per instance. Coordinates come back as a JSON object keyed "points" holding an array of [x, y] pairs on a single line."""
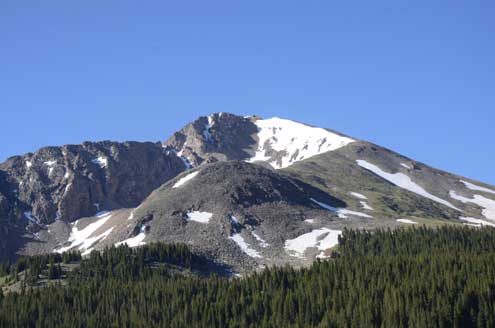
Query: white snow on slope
{"points": [[50, 163], [246, 248], [30, 217], [135, 241], [87, 245], [488, 205], [407, 221], [82, 238], [322, 239], [101, 161], [299, 141], [234, 219], [206, 131], [472, 186], [477, 222], [184, 159], [201, 217], [366, 206], [263, 243], [406, 166], [309, 221], [341, 212], [185, 179], [403, 181], [29, 164], [358, 195]]}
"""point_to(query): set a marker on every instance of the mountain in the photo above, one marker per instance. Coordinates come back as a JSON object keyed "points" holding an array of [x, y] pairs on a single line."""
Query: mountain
{"points": [[246, 191]]}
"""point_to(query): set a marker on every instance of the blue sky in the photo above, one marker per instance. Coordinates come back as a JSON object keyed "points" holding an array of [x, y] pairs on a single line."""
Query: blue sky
{"points": [[413, 76]]}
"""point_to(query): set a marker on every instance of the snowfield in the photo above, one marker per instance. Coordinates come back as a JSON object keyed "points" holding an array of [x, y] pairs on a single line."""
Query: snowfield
{"points": [[474, 187], [101, 161], [488, 205], [341, 212], [206, 132], [135, 241], [477, 222], [322, 239], [299, 141], [358, 195], [366, 206], [245, 247], [201, 217], [407, 221], [185, 179], [262, 242], [87, 245], [403, 181], [30, 217], [82, 238]]}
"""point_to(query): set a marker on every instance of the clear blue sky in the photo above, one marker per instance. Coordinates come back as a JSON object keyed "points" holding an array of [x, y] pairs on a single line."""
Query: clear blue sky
{"points": [[418, 78]]}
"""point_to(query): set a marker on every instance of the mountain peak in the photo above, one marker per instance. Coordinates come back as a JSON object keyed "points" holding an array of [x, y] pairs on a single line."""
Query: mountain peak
{"points": [[276, 141]]}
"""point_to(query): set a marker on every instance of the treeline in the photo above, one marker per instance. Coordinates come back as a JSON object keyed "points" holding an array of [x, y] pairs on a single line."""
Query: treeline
{"points": [[407, 278]]}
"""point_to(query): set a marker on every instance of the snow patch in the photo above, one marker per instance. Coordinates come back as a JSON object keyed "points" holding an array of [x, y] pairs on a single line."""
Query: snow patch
{"points": [[50, 163], [322, 239], [477, 222], [297, 141], [488, 205], [131, 216], [246, 248], [358, 195], [309, 221], [366, 206], [403, 181], [101, 161], [206, 132], [29, 164], [82, 238], [406, 166], [234, 219], [201, 217], [135, 241], [185, 179], [184, 159], [262, 243], [341, 212], [91, 241], [472, 186], [406, 221], [30, 217], [102, 214]]}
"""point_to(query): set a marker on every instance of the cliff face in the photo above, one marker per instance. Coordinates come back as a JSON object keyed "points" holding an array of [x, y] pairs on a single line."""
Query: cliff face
{"points": [[73, 181]]}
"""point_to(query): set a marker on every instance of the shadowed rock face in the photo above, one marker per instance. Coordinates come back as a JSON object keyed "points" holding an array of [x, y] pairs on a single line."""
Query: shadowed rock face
{"points": [[218, 137], [73, 181]]}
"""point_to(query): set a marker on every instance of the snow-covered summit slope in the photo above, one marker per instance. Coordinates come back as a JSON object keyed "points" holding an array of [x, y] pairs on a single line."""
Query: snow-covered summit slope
{"points": [[283, 142], [279, 142]]}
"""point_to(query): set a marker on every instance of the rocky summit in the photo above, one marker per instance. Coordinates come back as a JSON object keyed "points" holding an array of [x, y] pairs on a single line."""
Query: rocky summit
{"points": [[248, 192]]}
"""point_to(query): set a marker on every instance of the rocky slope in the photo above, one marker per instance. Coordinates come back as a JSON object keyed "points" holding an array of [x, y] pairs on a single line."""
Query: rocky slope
{"points": [[256, 192]]}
